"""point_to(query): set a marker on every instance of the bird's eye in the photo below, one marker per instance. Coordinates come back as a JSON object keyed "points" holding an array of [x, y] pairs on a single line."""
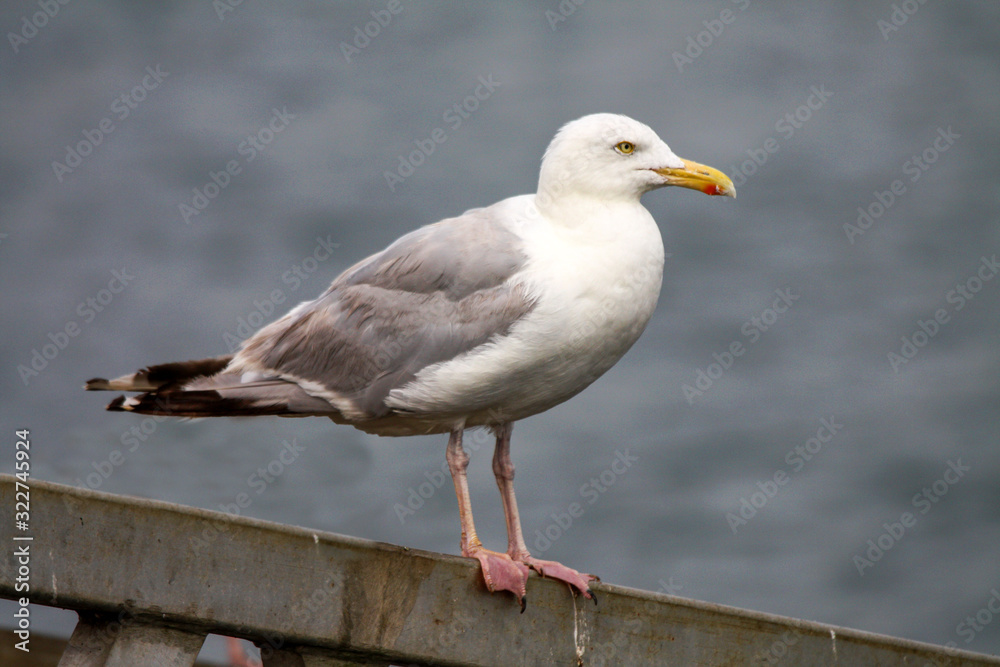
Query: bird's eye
{"points": [[625, 147]]}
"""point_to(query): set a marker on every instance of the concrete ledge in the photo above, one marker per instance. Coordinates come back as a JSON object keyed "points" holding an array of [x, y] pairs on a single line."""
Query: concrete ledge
{"points": [[141, 562]]}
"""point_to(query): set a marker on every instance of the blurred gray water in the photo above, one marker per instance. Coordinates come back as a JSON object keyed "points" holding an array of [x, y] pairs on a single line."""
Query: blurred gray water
{"points": [[285, 120]]}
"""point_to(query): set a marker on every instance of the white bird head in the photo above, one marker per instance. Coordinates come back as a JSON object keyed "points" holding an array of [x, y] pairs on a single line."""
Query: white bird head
{"points": [[613, 157]]}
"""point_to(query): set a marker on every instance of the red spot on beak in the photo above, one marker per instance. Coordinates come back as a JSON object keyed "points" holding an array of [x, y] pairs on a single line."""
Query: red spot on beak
{"points": [[712, 190]]}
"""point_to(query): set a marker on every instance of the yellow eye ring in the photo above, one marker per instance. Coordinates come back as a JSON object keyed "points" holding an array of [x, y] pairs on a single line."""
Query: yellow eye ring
{"points": [[625, 147]]}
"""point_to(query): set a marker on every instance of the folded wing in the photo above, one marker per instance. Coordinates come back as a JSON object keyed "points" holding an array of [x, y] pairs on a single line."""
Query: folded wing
{"points": [[435, 294]]}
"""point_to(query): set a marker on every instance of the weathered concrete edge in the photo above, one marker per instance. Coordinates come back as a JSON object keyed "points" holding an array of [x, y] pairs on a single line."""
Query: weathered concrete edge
{"points": [[607, 592]]}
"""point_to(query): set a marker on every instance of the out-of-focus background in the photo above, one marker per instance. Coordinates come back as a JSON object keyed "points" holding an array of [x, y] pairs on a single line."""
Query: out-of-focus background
{"points": [[174, 175]]}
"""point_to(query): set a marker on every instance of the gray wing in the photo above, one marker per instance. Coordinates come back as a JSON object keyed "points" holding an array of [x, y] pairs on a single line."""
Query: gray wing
{"points": [[434, 294]]}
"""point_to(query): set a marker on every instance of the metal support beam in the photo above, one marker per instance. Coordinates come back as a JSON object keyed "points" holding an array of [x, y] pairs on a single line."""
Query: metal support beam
{"points": [[101, 641], [165, 575]]}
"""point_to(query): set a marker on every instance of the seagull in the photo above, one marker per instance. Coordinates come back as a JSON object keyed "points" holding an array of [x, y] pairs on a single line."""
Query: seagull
{"points": [[479, 320]]}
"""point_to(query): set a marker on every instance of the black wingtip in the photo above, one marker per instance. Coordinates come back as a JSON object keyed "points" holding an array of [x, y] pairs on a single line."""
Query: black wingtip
{"points": [[96, 384], [116, 405]]}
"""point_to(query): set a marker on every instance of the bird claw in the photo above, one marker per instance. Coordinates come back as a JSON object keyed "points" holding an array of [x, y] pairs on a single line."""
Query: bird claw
{"points": [[578, 581], [501, 573]]}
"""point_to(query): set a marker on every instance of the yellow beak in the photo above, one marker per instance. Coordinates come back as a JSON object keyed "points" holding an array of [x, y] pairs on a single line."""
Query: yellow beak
{"points": [[699, 177]]}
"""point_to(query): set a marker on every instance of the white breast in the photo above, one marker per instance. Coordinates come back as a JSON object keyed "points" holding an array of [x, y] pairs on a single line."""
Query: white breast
{"points": [[596, 284]]}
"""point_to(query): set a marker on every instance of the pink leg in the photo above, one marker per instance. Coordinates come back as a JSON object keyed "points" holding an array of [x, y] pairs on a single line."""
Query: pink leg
{"points": [[499, 570], [503, 468]]}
